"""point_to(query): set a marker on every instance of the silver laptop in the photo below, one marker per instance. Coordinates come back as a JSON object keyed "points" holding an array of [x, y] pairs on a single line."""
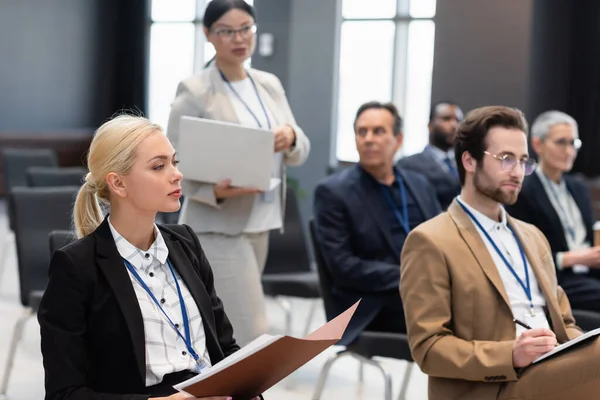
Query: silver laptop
{"points": [[211, 151]]}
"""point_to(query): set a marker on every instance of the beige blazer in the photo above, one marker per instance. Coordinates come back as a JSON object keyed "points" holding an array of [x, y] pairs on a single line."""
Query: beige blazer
{"points": [[204, 95], [457, 311]]}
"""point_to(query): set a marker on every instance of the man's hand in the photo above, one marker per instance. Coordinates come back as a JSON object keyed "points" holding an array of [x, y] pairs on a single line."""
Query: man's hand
{"points": [[284, 138], [532, 344]]}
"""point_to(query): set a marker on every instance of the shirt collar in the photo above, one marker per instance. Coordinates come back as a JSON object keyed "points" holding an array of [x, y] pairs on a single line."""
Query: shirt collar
{"points": [[440, 154], [486, 222], [158, 250]]}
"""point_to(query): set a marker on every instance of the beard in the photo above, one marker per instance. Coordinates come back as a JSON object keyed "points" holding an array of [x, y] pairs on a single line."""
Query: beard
{"points": [[494, 193], [441, 140]]}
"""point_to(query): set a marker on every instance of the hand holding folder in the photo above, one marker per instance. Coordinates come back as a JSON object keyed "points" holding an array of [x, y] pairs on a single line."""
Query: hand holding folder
{"points": [[265, 361]]}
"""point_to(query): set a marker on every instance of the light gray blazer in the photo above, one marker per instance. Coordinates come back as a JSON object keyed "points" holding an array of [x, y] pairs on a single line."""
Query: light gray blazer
{"points": [[205, 96]]}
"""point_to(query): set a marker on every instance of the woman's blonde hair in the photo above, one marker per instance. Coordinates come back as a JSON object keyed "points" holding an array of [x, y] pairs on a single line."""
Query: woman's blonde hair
{"points": [[112, 150]]}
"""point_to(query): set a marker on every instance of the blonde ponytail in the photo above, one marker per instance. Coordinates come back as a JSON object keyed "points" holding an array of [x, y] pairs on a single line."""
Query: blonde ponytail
{"points": [[87, 214], [112, 150]]}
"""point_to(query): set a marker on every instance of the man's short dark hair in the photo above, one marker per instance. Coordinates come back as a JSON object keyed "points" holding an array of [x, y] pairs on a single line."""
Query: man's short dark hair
{"points": [[385, 106], [434, 106], [473, 131]]}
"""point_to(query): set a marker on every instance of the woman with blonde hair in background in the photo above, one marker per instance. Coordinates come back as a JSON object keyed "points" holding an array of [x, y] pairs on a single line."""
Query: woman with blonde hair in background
{"points": [[130, 308], [233, 223]]}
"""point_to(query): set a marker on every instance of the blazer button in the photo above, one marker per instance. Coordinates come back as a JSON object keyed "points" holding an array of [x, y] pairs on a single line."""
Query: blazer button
{"points": [[503, 377], [184, 353], [147, 255], [162, 301]]}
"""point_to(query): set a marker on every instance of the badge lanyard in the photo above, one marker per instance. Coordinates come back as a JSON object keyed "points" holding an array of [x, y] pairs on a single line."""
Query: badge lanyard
{"points": [[567, 220], [401, 216], [246, 104], [186, 324], [527, 285]]}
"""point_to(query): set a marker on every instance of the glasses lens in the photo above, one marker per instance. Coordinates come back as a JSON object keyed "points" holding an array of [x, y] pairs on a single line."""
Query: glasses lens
{"points": [[577, 144], [529, 166]]}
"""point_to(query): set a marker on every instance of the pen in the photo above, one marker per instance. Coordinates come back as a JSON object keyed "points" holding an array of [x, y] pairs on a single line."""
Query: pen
{"points": [[523, 324]]}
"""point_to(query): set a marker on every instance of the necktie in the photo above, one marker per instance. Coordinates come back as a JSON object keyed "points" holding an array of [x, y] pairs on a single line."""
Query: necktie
{"points": [[451, 167]]}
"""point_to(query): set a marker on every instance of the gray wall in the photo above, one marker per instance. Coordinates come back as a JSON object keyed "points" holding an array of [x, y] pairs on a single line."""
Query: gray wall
{"points": [[482, 52], [46, 64]]}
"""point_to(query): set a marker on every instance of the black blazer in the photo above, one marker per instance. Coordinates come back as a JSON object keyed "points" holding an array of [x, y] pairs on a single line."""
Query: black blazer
{"points": [[534, 206], [446, 185], [91, 325], [357, 244]]}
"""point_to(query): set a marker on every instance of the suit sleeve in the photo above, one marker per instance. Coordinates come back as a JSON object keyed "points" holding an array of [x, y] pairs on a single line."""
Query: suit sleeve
{"points": [[348, 270], [298, 154], [425, 288], [63, 324], [224, 329]]}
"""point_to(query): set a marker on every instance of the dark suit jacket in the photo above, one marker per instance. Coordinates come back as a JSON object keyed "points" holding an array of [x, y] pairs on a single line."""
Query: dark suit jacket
{"points": [[534, 206], [445, 184], [91, 324], [357, 244]]}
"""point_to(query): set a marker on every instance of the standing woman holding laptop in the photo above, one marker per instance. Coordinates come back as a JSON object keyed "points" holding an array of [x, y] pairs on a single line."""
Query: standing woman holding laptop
{"points": [[233, 223]]}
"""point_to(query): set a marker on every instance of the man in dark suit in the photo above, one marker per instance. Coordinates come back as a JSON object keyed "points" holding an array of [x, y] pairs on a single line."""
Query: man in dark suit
{"points": [[560, 206], [436, 161], [363, 215]]}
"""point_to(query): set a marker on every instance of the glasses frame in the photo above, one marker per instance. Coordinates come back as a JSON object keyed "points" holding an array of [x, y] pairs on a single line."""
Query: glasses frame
{"points": [[228, 34], [508, 163]]}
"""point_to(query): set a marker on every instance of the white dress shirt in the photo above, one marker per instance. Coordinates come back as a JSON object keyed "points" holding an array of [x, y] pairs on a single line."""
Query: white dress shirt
{"points": [[570, 217], [166, 352], [266, 211], [504, 239]]}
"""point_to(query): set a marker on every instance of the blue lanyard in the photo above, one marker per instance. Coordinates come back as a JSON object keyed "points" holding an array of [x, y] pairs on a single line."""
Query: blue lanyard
{"points": [[186, 324], [401, 216], [246, 104], [526, 286], [567, 220]]}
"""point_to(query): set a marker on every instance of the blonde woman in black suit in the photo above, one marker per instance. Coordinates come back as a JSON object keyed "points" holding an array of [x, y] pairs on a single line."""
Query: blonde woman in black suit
{"points": [[130, 308]]}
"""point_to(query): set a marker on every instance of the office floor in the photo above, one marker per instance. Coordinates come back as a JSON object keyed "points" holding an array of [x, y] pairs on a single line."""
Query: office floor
{"points": [[27, 381]]}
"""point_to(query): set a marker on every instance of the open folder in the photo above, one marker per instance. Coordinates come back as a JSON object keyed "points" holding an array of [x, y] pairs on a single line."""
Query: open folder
{"points": [[265, 361]]}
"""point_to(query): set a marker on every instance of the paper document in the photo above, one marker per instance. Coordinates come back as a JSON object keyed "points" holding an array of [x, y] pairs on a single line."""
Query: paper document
{"points": [[212, 151], [265, 361], [586, 336]]}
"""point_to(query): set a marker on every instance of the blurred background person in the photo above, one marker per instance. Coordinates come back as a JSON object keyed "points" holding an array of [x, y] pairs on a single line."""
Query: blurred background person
{"points": [[233, 223], [437, 161], [560, 206]]}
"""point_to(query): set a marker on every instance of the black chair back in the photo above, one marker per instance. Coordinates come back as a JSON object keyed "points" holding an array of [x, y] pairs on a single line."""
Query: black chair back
{"points": [[288, 252], [38, 211], [16, 162], [325, 277], [55, 176], [59, 239]]}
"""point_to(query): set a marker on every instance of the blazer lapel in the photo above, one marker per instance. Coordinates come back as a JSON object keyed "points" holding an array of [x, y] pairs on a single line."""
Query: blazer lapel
{"points": [[367, 200], [219, 105], [418, 195], [479, 249], [545, 204], [114, 270], [267, 95], [181, 261], [542, 279]]}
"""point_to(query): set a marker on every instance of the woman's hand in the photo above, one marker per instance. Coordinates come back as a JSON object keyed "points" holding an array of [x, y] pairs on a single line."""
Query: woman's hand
{"points": [[284, 138], [224, 190]]}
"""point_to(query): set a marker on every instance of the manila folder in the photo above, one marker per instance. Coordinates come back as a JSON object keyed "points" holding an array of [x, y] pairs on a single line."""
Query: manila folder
{"points": [[262, 363]]}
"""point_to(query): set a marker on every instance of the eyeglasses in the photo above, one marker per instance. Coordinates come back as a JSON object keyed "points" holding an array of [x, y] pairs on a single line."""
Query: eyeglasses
{"points": [[228, 33], [508, 163], [564, 143]]}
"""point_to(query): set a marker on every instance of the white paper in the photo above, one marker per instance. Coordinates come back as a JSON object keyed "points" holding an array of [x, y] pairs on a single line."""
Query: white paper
{"points": [[251, 348], [568, 344], [273, 183]]}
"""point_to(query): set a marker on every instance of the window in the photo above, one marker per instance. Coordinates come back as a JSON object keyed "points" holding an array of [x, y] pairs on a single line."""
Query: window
{"points": [[386, 54], [178, 48]]}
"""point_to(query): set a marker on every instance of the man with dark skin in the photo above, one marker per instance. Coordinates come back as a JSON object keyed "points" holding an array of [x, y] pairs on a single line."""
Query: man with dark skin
{"points": [[436, 161]]}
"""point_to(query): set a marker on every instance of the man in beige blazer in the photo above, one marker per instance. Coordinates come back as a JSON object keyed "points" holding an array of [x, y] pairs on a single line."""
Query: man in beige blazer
{"points": [[460, 289]]}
